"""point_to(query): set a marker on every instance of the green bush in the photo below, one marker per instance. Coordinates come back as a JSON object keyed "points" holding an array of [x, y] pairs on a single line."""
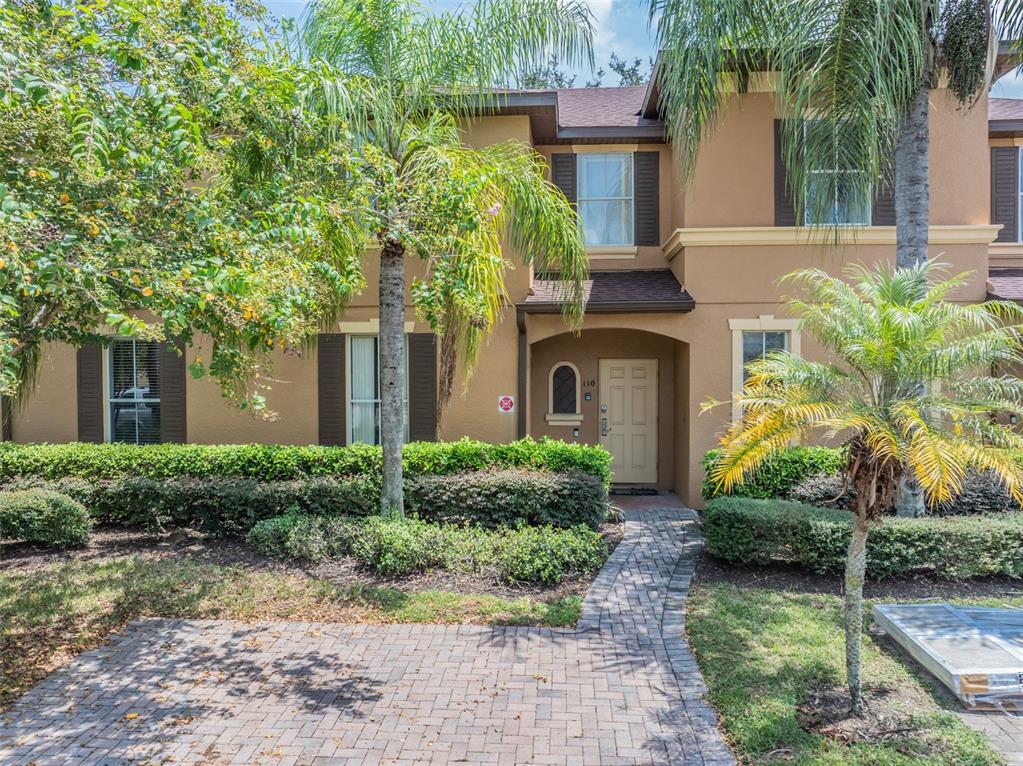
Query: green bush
{"points": [[400, 547], [756, 531], [282, 463], [780, 473], [43, 516], [509, 498]]}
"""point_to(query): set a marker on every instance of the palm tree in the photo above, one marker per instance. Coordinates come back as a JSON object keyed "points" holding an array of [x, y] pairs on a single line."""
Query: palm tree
{"points": [[858, 71], [887, 332], [401, 81]]}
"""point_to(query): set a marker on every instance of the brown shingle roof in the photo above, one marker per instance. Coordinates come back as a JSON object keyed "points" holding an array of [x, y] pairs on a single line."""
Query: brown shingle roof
{"points": [[1005, 283], [616, 291], [602, 108], [1005, 109]]}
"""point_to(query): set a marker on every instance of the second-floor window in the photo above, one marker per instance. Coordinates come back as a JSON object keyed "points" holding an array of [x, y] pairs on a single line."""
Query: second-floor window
{"points": [[605, 198], [838, 182]]}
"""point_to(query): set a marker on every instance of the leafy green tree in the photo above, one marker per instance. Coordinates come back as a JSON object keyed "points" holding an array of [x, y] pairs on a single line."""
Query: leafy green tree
{"points": [[146, 187], [403, 82], [909, 390]]}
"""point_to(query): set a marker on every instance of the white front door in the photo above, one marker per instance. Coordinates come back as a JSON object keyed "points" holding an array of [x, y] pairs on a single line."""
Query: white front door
{"points": [[628, 418]]}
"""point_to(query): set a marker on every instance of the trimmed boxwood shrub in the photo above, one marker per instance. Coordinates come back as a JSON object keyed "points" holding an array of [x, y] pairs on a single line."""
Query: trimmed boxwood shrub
{"points": [[281, 463], [400, 547], [509, 498], [755, 531], [229, 507], [780, 473], [43, 516]]}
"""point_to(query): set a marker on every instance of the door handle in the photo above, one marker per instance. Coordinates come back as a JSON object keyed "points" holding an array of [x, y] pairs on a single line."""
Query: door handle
{"points": [[604, 429]]}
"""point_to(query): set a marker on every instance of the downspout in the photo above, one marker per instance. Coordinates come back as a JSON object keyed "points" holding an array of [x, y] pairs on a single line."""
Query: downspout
{"points": [[520, 322]]}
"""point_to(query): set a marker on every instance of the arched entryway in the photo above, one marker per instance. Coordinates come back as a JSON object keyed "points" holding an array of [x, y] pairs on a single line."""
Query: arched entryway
{"points": [[624, 388]]}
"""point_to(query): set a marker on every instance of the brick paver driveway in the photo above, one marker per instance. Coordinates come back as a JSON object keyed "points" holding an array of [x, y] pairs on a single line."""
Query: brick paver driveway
{"points": [[620, 688]]}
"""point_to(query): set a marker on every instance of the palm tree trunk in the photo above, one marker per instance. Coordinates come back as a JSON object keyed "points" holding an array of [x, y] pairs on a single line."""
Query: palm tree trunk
{"points": [[392, 374], [912, 183], [855, 574], [912, 214]]}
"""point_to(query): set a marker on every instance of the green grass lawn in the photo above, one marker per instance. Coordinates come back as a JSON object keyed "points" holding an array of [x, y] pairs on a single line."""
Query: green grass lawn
{"points": [[51, 613], [762, 650]]}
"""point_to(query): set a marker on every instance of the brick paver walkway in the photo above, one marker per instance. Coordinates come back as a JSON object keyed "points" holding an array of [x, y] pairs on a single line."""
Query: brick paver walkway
{"points": [[1003, 730], [620, 688]]}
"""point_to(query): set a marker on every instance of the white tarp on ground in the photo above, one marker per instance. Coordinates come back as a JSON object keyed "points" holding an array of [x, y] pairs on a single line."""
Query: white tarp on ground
{"points": [[975, 652]]}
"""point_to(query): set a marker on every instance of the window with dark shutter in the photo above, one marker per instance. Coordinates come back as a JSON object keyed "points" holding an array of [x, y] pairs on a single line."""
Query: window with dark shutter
{"points": [[564, 390], [173, 414], [422, 403], [1005, 192], [89, 380], [330, 384], [784, 205], [563, 174], [647, 197]]}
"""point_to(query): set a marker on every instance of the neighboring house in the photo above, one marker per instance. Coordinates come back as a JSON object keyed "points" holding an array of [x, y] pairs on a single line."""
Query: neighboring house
{"points": [[684, 291]]}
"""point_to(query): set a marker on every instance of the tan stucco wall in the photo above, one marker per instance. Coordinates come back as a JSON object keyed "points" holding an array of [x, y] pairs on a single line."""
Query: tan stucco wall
{"points": [[733, 181], [584, 351], [49, 413]]}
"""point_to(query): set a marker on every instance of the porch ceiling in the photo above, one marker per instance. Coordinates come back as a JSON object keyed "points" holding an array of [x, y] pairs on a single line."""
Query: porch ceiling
{"points": [[615, 292]]}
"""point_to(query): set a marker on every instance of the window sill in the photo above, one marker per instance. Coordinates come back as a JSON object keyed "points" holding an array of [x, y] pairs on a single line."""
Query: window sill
{"points": [[607, 252], [564, 419]]}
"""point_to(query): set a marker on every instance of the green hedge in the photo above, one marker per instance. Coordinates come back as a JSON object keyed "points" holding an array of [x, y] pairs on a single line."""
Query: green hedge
{"points": [[510, 498], [755, 531], [780, 473], [400, 547], [230, 506], [42, 516], [282, 463]]}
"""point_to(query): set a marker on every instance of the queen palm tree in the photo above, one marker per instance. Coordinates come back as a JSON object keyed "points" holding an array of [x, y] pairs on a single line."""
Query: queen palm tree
{"points": [[887, 332], [402, 81]]}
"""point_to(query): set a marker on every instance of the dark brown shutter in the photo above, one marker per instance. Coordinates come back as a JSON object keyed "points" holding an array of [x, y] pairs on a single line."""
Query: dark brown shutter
{"points": [[784, 207], [173, 414], [422, 398], [89, 379], [883, 212], [6, 419], [563, 174], [646, 180], [330, 382], [1005, 191]]}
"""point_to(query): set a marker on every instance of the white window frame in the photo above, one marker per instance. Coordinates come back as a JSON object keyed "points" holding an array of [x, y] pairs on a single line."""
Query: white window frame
{"points": [[834, 202], [564, 418], [763, 323], [108, 388], [630, 197], [349, 420]]}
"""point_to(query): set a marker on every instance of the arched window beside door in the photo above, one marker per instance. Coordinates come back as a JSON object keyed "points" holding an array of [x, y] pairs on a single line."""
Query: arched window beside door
{"points": [[563, 395]]}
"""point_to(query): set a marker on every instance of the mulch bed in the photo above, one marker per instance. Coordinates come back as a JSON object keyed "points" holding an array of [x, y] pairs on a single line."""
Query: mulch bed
{"points": [[111, 543], [791, 578]]}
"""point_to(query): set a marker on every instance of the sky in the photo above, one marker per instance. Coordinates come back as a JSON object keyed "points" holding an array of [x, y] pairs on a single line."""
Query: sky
{"points": [[622, 27]]}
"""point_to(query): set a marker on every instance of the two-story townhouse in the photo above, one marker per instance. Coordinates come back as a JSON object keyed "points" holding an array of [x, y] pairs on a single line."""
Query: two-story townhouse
{"points": [[683, 291]]}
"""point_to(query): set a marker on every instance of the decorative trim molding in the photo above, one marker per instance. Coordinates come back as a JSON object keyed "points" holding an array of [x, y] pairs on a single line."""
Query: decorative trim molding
{"points": [[605, 148], [1005, 250], [611, 252], [733, 236], [563, 418], [369, 327]]}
